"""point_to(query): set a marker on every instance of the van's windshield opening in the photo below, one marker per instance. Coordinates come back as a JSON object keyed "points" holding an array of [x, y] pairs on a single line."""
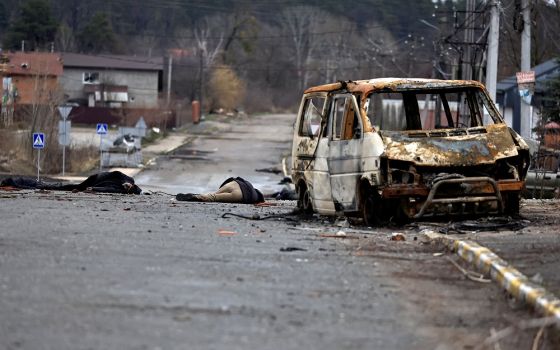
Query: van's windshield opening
{"points": [[430, 109]]}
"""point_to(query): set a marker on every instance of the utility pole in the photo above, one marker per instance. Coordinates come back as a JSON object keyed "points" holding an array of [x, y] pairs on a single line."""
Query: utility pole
{"points": [[493, 45], [201, 80], [469, 40], [526, 65], [169, 68]]}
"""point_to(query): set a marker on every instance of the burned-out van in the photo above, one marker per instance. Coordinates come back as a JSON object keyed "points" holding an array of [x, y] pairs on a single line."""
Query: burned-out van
{"points": [[409, 148]]}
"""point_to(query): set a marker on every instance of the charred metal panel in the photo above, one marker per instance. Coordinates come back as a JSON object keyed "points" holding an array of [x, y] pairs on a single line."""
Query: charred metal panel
{"points": [[464, 150], [344, 191]]}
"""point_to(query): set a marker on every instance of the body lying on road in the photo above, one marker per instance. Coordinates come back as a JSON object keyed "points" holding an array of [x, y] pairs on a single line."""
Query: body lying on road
{"points": [[233, 190], [106, 182]]}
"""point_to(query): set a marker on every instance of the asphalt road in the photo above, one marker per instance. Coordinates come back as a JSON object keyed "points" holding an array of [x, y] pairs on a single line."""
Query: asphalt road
{"points": [[222, 148], [91, 271]]}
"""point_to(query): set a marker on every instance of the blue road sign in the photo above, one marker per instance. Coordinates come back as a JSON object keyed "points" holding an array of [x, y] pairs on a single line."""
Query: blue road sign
{"points": [[102, 128], [38, 140]]}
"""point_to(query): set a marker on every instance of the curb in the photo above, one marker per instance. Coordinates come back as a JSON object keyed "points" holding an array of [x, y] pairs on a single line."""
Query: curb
{"points": [[509, 278]]}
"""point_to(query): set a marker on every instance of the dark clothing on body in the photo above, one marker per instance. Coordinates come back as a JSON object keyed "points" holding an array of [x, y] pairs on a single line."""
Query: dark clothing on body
{"points": [[250, 194], [106, 182]]}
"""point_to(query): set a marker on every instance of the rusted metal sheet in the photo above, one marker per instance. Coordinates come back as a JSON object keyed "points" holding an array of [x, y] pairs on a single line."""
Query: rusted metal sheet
{"points": [[392, 84], [480, 148], [511, 185], [396, 191]]}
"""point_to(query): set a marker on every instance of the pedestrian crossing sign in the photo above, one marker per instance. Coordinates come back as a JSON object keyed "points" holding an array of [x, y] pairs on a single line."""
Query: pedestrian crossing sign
{"points": [[38, 140], [102, 129]]}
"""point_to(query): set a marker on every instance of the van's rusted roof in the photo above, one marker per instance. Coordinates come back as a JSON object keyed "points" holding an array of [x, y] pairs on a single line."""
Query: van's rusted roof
{"points": [[393, 84]]}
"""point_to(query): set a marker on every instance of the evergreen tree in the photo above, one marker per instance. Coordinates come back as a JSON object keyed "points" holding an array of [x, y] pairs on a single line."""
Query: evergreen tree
{"points": [[34, 24], [98, 36]]}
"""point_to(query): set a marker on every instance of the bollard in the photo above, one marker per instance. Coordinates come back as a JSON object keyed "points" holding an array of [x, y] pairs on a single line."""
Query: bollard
{"points": [[195, 112]]}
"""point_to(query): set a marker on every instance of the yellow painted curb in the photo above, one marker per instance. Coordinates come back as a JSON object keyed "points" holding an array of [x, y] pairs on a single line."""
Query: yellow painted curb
{"points": [[509, 278]]}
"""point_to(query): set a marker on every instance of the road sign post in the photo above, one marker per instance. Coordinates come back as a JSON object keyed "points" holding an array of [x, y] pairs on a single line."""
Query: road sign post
{"points": [[64, 112], [101, 130], [38, 144]]}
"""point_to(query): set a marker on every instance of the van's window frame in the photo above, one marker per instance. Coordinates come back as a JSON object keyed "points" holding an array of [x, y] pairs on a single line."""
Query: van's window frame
{"points": [[347, 97], [302, 131]]}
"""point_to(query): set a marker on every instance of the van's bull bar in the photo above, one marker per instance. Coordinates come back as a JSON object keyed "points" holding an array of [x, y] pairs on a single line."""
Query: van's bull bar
{"points": [[495, 196], [474, 190]]}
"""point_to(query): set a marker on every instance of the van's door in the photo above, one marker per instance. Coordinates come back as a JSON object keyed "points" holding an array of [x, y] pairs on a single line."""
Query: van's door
{"points": [[310, 151], [345, 131]]}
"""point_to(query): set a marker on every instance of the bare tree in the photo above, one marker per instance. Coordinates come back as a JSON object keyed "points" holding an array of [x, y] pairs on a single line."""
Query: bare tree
{"points": [[209, 38], [145, 45], [301, 25], [65, 40], [42, 113]]}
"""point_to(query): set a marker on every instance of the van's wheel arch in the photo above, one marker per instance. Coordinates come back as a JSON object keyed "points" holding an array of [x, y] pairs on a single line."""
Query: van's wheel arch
{"points": [[304, 202]]}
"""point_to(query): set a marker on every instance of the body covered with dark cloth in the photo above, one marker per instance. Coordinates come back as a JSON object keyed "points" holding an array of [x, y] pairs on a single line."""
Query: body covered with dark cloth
{"points": [[106, 182]]}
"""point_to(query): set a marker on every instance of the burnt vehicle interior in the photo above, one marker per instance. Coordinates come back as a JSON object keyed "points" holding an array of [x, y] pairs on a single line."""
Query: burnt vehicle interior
{"points": [[454, 108]]}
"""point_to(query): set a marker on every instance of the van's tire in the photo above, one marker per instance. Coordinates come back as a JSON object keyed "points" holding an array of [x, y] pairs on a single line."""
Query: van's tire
{"points": [[371, 207], [304, 202], [511, 203]]}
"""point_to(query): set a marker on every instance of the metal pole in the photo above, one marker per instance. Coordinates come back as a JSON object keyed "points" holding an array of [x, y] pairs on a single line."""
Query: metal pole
{"points": [[201, 81], [493, 45], [64, 148], [526, 65], [169, 68], [63, 159], [469, 39], [100, 152], [38, 157]]}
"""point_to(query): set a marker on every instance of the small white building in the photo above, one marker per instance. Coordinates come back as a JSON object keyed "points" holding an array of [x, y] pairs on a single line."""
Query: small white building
{"points": [[112, 81]]}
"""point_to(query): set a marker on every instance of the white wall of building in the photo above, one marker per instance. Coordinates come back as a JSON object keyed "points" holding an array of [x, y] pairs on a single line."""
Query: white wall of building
{"points": [[142, 85]]}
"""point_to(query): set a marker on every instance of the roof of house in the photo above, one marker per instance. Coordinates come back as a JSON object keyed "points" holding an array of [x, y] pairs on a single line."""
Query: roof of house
{"points": [[543, 72], [32, 63], [77, 60]]}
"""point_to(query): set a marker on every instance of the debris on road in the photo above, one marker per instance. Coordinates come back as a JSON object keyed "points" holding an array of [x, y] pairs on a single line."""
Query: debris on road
{"points": [[396, 236], [340, 234], [285, 216], [265, 204], [226, 233], [272, 170], [292, 249], [473, 276], [485, 224], [335, 236]]}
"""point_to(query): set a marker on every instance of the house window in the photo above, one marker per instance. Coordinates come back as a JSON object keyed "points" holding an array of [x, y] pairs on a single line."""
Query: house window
{"points": [[91, 77]]}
